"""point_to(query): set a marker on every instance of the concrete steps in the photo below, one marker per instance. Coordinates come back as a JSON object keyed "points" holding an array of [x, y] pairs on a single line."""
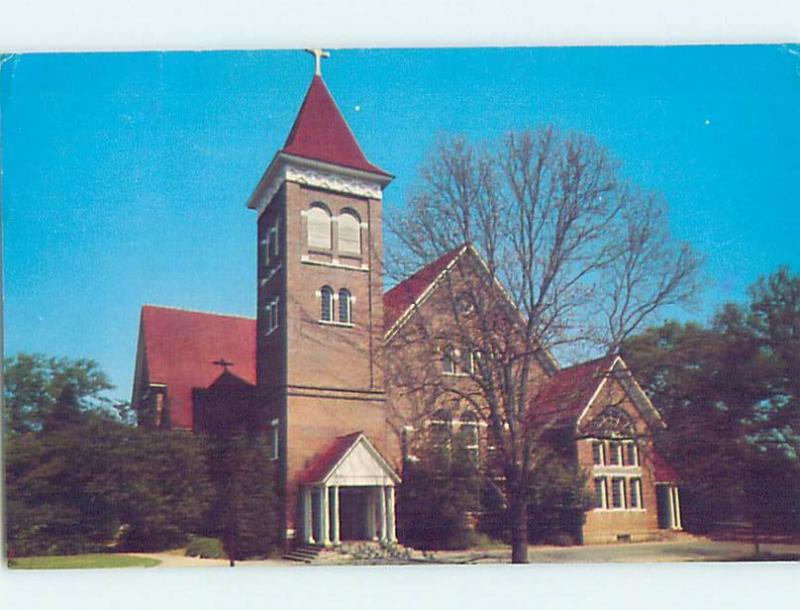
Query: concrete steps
{"points": [[304, 554], [350, 552]]}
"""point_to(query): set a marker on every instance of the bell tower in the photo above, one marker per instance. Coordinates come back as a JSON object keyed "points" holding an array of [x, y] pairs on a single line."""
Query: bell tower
{"points": [[320, 288]]}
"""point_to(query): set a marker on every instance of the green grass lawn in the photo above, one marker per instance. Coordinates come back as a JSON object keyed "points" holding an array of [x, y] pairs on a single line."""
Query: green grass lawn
{"points": [[74, 562]]}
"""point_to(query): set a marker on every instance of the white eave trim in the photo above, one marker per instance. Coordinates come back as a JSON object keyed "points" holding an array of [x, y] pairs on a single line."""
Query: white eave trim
{"points": [[632, 388], [285, 167], [403, 318], [375, 454]]}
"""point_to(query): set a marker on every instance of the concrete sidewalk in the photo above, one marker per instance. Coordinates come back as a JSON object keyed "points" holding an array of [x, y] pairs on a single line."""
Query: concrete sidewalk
{"points": [[685, 550]]}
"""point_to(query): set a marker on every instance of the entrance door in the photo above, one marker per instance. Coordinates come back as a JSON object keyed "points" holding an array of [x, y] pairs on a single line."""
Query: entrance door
{"points": [[664, 507], [353, 513]]}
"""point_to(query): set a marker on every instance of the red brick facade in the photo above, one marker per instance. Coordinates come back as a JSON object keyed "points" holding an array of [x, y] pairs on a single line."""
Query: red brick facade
{"points": [[328, 351]]}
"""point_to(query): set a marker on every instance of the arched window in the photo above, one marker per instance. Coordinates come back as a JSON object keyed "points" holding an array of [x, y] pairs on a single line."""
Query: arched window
{"points": [[326, 304], [468, 433], [319, 227], [345, 306], [349, 233], [612, 422], [449, 360]]}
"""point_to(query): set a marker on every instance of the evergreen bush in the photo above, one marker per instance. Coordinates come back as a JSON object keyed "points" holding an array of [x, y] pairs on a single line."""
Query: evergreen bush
{"points": [[95, 484], [205, 548]]}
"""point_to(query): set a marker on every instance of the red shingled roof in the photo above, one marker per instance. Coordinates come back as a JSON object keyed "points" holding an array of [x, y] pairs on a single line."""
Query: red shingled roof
{"points": [[565, 395], [397, 300], [321, 464], [180, 347], [320, 132]]}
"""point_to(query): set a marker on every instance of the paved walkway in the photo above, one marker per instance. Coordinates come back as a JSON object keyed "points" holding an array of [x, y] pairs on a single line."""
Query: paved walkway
{"points": [[175, 559], [697, 549]]}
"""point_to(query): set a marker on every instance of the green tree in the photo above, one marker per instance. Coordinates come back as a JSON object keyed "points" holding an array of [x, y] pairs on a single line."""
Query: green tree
{"points": [[729, 394], [245, 508], [33, 384], [84, 486], [439, 493], [557, 500], [65, 412]]}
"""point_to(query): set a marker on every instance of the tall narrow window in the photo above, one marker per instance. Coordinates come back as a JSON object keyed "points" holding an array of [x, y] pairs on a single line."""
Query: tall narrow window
{"points": [[466, 361], [632, 457], [271, 315], [615, 449], [636, 493], [600, 493], [468, 433], [274, 244], [274, 440], [440, 429], [618, 492], [349, 233], [319, 228], [598, 454], [326, 304], [405, 441], [265, 250], [449, 360], [345, 307]]}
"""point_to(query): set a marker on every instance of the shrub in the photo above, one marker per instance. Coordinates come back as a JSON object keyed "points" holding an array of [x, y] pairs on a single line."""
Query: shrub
{"points": [[245, 509], [205, 548], [435, 499], [82, 487], [560, 539]]}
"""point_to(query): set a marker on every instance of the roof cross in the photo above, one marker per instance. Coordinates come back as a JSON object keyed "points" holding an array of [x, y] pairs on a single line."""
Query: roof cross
{"points": [[223, 363], [319, 55]]}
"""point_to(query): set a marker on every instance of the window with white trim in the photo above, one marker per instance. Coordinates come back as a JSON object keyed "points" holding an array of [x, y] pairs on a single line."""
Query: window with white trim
{"points": [[449, 360], [465, 304], [618, 492], [271, 315], [274, 440], [631, 454], [318, 220], [326, 304], [265, 250], [468, 431], [467, 362], [349, 226], [615, 451], [636, 493], [600, 493], [441, 426], [345, 306], [274, 243], [598, 453], [476, 361]]}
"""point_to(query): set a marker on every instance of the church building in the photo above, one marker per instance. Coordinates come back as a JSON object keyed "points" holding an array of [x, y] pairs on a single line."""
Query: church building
{"points": [[313, 359]]}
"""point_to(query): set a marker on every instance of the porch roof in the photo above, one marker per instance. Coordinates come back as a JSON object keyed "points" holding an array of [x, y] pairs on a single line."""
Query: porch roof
{"points": [[349, 460]]}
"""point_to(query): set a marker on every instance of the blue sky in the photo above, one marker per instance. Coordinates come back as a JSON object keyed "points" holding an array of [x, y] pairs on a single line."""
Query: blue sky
{"points": [[125, 176]]}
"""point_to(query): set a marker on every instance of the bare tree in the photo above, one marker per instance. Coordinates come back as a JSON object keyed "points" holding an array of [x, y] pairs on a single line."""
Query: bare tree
{"points": [[561, 252]]}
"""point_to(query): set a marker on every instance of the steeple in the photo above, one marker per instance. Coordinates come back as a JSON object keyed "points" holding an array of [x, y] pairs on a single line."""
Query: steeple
{"points": [[320, 132], [321, 151]]}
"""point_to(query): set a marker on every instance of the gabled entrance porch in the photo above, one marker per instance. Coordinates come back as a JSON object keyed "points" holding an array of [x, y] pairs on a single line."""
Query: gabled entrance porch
{"points": [[347, 493]]}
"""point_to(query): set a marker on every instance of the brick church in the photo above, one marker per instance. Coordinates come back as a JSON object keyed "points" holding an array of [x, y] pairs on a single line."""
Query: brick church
{"points": [[314, 359]]}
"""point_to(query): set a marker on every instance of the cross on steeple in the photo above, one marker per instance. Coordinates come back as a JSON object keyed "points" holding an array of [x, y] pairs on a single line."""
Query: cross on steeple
{"points": [[319, 55], [223, 363]]}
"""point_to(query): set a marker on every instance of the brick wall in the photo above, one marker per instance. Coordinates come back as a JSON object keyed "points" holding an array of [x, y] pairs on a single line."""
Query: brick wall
{"points": [[606, 525]]}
